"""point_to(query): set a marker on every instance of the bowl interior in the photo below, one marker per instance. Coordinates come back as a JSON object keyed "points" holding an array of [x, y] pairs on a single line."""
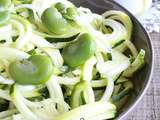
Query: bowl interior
{"points": [[139, 38]]}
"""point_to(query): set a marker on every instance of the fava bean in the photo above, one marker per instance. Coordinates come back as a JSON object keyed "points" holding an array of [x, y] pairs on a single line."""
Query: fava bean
{"points": [[60, 7], [78, 52], [4, 17], [54, 21], [37, 69], [70, 13], [4, 4]]}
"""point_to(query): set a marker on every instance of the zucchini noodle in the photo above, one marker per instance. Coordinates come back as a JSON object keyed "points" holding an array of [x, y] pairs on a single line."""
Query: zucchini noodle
{"points": [[7, 113], [62, 62], [5, 94], [24, 31], [126, 21], [109, 90], [5, 33]]}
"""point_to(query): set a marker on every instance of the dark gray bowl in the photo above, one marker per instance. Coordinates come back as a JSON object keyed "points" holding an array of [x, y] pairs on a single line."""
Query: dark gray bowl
{"points": [[141, 40]]}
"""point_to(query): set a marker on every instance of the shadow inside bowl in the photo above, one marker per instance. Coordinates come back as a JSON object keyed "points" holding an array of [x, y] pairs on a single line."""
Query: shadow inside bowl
{"points": [[141, 40]]}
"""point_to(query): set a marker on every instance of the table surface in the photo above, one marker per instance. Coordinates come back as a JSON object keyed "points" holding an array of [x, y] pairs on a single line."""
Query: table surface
{"points": [[149, 106]]}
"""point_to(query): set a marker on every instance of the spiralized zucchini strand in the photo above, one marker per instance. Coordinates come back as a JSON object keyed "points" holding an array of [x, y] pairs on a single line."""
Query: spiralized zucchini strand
{"points": [[62, 62]]}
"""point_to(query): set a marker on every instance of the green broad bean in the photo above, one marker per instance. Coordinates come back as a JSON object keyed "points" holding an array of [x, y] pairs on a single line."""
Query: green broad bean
{"points": [[4, 17], [70, 13], [53, 20], [4, 11], [35, 70], [60, 7], [79, 51], [4, 4]]}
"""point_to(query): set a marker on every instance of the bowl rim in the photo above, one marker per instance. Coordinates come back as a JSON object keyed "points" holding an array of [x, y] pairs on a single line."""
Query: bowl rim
{"points": [[144, 90]]}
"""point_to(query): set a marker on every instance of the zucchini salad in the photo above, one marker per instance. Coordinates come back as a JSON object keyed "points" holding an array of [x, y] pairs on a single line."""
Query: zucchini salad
{"points": [[62, 62]]}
